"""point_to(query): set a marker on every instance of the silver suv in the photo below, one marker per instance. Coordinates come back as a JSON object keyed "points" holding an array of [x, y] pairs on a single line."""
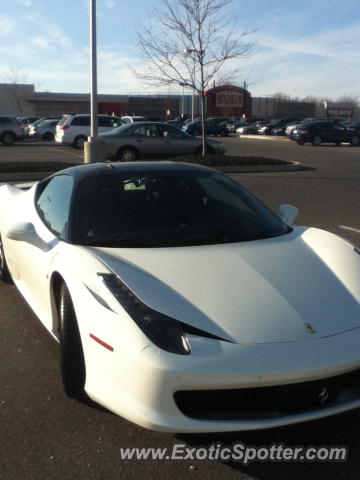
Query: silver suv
{"points": [[11, 129]]}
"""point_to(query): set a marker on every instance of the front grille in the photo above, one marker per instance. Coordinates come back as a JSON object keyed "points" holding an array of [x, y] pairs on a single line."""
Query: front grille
{"points": [[266, 402]]}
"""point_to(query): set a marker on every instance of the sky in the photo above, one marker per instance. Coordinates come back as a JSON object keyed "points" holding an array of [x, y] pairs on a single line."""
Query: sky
{"points": [[300, 48]]}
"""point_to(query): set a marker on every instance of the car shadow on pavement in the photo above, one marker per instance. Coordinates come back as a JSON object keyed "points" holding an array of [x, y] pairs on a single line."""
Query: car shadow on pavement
{"points": [[339, 431]]}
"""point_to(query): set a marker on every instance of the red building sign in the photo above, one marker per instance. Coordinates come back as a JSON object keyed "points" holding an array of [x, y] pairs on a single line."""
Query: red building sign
{"points": [[228, 101], [228, 98]]}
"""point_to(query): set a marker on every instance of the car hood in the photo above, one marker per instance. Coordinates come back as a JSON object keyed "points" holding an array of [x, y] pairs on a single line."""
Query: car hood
{"points": [[297, 287]]}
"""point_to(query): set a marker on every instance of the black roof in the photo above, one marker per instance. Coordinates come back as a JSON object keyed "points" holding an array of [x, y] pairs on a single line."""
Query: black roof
{"points": [[80, 172]]}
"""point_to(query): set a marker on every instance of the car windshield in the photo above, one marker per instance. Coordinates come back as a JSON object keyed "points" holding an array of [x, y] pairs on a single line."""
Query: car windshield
{"points": [[169, 209]]}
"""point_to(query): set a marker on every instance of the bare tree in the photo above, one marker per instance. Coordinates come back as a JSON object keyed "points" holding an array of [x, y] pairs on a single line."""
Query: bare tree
{"points": [[15, 79], [187, 42]]}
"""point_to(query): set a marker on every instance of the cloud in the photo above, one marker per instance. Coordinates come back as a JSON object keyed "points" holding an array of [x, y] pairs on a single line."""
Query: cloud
{"points": [[320, 63], [39, 42], [7, 26], [110, 3]]}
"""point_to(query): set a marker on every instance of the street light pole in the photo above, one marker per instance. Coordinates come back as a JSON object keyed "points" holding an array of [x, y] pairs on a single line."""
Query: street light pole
{"points": [[93, 61], [94, 148], [191, 51]]}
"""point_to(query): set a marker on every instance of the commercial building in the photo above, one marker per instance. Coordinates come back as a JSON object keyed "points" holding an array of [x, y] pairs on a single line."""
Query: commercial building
{"points": [[222, 101]]}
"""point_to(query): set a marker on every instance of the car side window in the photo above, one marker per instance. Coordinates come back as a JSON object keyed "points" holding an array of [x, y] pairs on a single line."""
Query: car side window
{"points": [[170, 132], [146, 131], [53, 204], [337, 126], [104, 122], [81, 121], [115, 122]]}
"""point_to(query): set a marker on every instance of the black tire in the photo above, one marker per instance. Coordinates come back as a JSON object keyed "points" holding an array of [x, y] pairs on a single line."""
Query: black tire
{"points": [[338, 143], [48, 136], [79, 142], [4, 271], [196, 133], [8, 138], [317, 141], [300, 142], [198, 151], [71, 352], [355, 141], [127, 154]]}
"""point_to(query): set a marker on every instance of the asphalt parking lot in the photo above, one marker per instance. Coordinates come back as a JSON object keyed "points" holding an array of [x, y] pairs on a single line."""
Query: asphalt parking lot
{"points": [[45, 435]]}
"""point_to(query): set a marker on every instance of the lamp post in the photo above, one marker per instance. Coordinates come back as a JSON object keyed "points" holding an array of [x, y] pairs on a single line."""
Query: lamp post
{"points": [[94, 149], [191, 51], [182, 99]]}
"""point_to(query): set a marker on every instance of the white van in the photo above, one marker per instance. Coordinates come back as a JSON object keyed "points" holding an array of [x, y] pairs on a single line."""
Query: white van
{"points": [[74, 130]]}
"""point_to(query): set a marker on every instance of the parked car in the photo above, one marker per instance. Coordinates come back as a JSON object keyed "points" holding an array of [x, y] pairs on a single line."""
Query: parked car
{"points": [[212, 127], [290, 127], [180, 301], [319, 132], [230, 124], [28, 120], [250, 129], [150, 139], [354, 125], [11, 130], [268, 129], [133, 119], [44, 130], [37, 122], [74, 129]]}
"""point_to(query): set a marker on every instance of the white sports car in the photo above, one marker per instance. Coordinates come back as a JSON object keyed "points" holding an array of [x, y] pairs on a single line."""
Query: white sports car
{"points": [[180, 301]]}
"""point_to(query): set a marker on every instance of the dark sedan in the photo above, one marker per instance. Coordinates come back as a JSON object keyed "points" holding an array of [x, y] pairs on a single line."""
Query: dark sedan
{"points": [[212, 127], [329, 132]]}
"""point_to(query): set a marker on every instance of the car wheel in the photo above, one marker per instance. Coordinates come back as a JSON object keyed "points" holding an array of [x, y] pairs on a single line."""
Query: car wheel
{"points": [[317, 141], [8, 139], [338, 143], [4, 271], [127, 154], [196, 133], [300, 142], [79, 142], [48, 136], [71, 351], [355, 141], [198, 151]]}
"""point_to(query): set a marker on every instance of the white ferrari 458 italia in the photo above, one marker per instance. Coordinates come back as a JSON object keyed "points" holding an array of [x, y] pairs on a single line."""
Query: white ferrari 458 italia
{"points": [[180, 301]]}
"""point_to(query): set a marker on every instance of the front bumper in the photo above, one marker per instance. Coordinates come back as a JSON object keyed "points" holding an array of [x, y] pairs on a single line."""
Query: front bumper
{"points": [[140, 385]]}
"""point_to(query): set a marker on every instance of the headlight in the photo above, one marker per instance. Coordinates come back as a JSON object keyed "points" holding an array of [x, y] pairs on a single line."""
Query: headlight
{"points": [[163, 331]]}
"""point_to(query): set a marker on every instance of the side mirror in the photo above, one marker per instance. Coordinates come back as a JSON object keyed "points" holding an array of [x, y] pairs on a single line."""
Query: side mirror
{"points": [[288, 213], [25, 232]]}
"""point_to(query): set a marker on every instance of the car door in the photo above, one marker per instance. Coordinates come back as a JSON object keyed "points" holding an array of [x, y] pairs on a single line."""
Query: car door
{"points": [[49, 216], [147, 141], [339, 133], [177, 142], [325, 131]]}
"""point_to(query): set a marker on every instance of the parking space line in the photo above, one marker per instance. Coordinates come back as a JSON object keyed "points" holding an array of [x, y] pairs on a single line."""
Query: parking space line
{"points": [[344, 227]]}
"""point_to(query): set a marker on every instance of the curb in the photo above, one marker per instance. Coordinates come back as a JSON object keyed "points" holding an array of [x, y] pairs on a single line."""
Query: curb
{"points": [[290, 167]]}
